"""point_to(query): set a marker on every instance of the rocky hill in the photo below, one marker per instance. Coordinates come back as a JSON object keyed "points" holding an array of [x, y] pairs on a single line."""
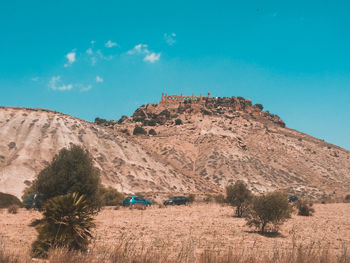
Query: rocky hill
{"points": [[196, 147]]}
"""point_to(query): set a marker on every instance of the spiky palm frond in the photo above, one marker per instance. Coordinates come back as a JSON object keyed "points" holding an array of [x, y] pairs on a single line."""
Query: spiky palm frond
{"points": [[67, 222]]}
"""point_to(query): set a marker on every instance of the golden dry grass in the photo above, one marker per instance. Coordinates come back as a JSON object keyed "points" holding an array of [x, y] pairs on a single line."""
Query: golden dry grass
{"points": [[197, 233]]}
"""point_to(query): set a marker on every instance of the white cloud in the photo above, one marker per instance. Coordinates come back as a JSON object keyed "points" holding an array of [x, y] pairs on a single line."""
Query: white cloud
{"points": [[99, 79], [142, 49], [153, 57], [71, 58], [110, 44], [139, 49], [34, 79], [86, 88], [170, 38], [55, 84]]}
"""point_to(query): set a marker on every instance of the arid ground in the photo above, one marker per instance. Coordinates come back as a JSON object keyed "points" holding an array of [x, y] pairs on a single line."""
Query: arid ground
{"points": [[199, 226]]}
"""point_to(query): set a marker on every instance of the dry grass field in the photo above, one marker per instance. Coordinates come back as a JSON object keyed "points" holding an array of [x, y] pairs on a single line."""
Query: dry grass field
{"points": [[187, 233]]}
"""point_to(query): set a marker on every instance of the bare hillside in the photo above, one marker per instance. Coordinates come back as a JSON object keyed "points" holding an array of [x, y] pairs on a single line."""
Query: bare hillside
{"points": [[199, 147]]}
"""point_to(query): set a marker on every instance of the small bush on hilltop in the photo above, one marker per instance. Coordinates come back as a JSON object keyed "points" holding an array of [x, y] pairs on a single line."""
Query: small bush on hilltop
{"points": [[259, 106], [238, 195], [304, 208], [152, 132], [67, 223], [13, 209], [269, 211], [110, 196], [178, 122], [7, 200], [139, 130]]}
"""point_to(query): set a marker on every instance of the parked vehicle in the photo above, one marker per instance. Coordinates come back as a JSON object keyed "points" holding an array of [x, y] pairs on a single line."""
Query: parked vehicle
{"points": [[136, 200], [177, 200], [34, 201], [293, 198]]}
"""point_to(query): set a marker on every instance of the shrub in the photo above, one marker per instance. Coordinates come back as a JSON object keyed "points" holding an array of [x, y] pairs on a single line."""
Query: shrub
{"points": [[152, 132], [110, 196], [347, 198], [67, 223], [139, 130], [191, 198], [238, 195], [100, 121], [269, 211], [304, 208], [178, 122], [7, 200], [259, 106], [71, 170], [13, 209], [220, 199]]}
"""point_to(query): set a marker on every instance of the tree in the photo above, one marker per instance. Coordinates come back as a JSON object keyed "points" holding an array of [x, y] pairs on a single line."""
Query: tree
{"points": [[238, 195], [269, 210], [259, 106], [67, 223], [178, 122], [139, 130], [152, 132], [110, 196], [70, 171]]}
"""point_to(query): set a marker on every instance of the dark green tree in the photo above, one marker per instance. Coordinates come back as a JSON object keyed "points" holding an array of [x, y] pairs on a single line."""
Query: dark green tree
{"points": [[70, 171], [269, 211], [110, 196], [238, 195], [139, 130]]}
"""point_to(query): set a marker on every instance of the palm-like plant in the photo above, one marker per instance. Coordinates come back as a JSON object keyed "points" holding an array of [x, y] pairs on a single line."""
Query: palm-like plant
{"points": [[67, 222]]}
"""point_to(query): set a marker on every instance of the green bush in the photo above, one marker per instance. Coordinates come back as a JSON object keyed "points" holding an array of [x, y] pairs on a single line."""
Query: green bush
{"points": [[110, 196], [7, 200], [100, 121], [347, 197], [269, 211], [139, 130], [220, 199], [67, 223], [259, 106], [238, 195], [152, 132], [178, 122], [304, 208], [71, 170], [191, 198]]}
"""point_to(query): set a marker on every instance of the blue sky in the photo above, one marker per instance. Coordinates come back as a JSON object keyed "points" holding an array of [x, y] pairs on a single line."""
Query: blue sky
{"points": [[106, 58]]}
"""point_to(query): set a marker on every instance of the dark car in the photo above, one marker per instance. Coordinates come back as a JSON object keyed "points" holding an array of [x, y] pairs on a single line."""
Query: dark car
{"points": [[34, 201], [293, 198], [177, 200], [133, 200]]}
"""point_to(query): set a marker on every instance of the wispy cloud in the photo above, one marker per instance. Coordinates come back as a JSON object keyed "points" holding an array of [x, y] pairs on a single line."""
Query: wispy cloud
{"points": [[152, 57], [170, 38], [71, 57], [142, 49], [139, 49], [110, 44], [34, 79], [55, 84], [99, 79], [86, 88]]}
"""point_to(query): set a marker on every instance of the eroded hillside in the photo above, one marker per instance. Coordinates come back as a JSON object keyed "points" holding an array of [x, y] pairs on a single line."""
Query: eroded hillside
{"points": [[198, 148]]}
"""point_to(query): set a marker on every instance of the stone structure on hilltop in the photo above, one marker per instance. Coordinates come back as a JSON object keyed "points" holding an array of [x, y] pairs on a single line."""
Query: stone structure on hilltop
{"points": [[176, 99]]}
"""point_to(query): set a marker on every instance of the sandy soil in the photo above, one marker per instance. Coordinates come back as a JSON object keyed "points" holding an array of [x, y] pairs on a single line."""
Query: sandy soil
{"points": [[205, 226]]}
